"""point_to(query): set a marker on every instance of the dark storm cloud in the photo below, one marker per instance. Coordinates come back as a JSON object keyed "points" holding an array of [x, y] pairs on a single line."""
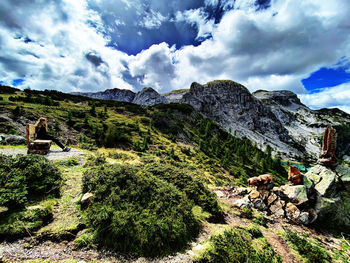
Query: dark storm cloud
{"points": [[94, 58]]}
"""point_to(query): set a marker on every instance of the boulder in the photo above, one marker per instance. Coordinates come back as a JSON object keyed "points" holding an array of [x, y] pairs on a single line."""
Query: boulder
{"points": [[292, 212], [14, 139], [296, 194], [86, 198], [331, 189], [277, 209], [324, 180]]}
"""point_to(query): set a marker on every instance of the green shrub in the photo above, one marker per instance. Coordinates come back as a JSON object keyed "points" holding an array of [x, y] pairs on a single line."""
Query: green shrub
{"points": [[95, 160], [236, 246], [135, 213], [188, 182], [312, 252], [24, 222], [26, 176], [247, 212], [260, 219]]}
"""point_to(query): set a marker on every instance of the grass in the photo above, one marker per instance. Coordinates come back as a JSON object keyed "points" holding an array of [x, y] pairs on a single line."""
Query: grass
{"points": [[66, 215]]}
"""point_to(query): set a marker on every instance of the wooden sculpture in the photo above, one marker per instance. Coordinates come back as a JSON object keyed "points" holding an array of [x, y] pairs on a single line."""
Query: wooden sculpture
{"points": [[329, 144]]}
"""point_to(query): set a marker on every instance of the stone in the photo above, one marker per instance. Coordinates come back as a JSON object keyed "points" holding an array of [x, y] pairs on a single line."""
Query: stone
{"points": [[292, 212], [296, 194], [86, 197], [254, 194], [14, 140], [242, 191], [219, 194], [259, 204], [148, 97], [324, 179], [344, 175], [243, 202], [294, 175], [304, 218], [277, 209], [327, 156], [271, 199]]}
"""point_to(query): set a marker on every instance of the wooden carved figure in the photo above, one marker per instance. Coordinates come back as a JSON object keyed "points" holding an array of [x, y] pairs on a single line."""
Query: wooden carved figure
{"points": [[329, 144]]}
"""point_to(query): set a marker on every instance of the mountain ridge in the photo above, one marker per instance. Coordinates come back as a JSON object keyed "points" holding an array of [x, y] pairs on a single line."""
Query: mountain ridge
{"points": [[275, 118]]}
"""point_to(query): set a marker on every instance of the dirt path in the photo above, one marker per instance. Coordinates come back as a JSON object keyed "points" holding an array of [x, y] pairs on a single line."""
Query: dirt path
{"points": [[279, 246], [54, 154]]}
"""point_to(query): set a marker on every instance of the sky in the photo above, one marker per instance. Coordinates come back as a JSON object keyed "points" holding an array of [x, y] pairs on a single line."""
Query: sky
{"points": [[92, 45]]}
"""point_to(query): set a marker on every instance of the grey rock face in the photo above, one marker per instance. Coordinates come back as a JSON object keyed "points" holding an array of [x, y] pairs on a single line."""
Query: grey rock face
{"points": [[13, 139], [304, 125], [232, 106], [110, 94], [331, 191], [149, 97]]}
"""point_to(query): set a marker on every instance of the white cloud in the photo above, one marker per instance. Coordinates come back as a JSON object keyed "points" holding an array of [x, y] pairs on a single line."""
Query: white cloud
{"points": [[338, 96], [154, 66], [198, 18], [152, 20], [270, 49], [55, 56]]}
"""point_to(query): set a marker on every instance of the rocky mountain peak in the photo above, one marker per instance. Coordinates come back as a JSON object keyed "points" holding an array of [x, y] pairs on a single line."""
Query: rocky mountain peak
{"points": [[236, 109], [285, 98], [148, 97]]}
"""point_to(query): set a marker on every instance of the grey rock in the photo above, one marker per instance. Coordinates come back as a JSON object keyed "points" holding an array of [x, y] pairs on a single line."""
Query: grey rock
{"points": [[295, 193], [325, 180], [149, 97], [110, 94], [14, 140], [304, 218]]}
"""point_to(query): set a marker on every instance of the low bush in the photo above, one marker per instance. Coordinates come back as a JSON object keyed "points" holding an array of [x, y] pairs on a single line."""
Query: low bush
{"points": [[19, 223], [238, 245], [312, 252], [25, 177], [131, 212], [187, 181]]}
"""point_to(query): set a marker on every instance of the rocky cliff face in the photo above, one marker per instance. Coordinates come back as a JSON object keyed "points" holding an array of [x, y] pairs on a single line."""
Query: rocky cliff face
{"points": [[110, 94], [149, 97], [275, 118], [304, 125], [146, 96], [237, 110]]}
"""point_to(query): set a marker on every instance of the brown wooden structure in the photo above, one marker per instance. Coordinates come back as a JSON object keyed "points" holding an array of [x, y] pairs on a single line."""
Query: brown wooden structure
{"points": [[329, 144], [36, 146]]}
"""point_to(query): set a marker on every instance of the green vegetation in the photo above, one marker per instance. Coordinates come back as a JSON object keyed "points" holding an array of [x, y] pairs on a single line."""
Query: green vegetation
{"points": [[239, 245], [27, 177], [311, 251], [137, 212], [17, 223]]}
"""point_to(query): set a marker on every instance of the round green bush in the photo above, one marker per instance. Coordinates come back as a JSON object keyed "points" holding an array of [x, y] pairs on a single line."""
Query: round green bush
{"points": [[136, 212], [24, 177]]}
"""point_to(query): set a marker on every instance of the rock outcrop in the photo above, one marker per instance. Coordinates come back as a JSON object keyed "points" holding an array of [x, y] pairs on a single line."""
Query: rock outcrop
{"points": [[324, 198], [275, 118], [331, 188], [149, 97], [232, 106], [110, 94]]}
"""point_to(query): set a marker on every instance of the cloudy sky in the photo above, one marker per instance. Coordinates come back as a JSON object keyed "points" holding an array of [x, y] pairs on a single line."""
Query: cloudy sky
{"points": [[92, 45]]}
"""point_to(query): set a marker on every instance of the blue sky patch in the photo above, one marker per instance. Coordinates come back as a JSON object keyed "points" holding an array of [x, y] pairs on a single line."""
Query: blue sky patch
{"points": [[17, 82], [326, 77]]}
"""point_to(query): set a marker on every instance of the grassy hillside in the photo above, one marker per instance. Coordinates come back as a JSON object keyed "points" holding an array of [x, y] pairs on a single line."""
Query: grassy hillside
{"points": [[150, 170], [173, 131]]}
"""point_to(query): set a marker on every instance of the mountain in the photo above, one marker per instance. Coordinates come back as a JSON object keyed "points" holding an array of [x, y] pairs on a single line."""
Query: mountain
{"points": [[274, 118], [145, 97], [110, 94]]}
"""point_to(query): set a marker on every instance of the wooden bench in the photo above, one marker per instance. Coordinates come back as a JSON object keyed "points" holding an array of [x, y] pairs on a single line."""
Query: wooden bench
{"points": [[36, 146]]}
